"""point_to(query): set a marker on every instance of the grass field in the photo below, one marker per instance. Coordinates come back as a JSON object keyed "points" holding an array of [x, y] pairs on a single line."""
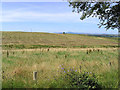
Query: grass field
{"points": [[20, 40], [53, 63]]}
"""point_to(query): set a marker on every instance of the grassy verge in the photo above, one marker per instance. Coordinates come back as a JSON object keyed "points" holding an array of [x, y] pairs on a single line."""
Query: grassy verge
{"points": [[5, 47]]}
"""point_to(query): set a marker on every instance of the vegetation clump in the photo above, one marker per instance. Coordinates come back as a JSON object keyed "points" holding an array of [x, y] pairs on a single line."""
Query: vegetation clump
{"points": [[77, 79]]}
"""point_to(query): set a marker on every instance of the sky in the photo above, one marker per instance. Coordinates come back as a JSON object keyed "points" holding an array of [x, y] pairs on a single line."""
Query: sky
{"points": [[47, 17]]}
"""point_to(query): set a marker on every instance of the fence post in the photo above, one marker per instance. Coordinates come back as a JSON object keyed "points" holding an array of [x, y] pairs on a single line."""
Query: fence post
{"points": [[34, 75]]}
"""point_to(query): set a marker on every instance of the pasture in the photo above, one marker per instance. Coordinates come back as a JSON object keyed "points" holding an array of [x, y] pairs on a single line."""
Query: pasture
{"points": [[29, 40], [19, 64]]}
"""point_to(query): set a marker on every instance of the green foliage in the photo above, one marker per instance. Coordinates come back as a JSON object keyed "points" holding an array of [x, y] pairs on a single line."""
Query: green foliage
{"points": [[83, 80], [107, 12], [75, 79], [63, 32]]}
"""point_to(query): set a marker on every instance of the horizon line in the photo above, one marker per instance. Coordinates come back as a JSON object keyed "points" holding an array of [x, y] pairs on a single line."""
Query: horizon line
{"points": [[61, 32]]}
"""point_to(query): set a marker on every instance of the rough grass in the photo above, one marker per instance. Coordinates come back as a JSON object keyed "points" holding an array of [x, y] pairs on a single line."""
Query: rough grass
{"points": [[18, 67], [51, 39]]}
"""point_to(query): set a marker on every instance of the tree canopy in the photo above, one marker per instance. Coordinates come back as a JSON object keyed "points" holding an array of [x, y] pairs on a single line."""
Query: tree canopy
{"points": [[107, 12]]}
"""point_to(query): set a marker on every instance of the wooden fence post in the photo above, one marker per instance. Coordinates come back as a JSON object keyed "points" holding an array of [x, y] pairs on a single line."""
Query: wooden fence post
{"points": [[34, 75]]}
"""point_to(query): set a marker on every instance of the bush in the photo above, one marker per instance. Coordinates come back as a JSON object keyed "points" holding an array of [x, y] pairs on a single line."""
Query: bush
{"points": [[76, 79], [63, 32], [82, 80]]}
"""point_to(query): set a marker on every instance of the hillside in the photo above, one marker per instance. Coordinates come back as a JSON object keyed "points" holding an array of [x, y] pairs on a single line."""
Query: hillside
{"points": [[55, 40]]}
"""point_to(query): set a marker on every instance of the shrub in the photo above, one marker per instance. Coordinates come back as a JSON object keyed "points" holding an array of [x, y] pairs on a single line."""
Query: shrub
{"points": [[63, 32], [76, 79], [82, 80]]}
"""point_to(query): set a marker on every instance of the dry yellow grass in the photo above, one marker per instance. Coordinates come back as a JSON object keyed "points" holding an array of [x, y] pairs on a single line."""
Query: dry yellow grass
{"points": [[32, 38]]}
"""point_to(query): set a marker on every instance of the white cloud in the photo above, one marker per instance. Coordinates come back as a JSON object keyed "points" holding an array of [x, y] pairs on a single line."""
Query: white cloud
{"points": [[22, 15], [56, 0], [33, 0]]}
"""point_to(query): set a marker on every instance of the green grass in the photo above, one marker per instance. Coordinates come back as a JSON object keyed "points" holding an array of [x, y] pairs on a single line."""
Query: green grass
{"points": [[8, 47], [18, 67], [109, 79]]}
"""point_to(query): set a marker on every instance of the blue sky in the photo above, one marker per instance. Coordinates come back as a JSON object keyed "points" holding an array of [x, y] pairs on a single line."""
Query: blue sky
{"points": [[47, 17]]}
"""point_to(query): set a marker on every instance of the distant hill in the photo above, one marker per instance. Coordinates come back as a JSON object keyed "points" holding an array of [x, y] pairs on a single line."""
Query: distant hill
{"points": [[104, 35], [98, 35], [52, 39]]}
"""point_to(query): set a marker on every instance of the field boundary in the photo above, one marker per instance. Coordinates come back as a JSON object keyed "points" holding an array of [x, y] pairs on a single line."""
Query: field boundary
{"points": [[10, 47], [61, 49]]}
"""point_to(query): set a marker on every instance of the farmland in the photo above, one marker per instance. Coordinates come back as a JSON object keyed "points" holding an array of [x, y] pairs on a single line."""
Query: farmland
{"points": [[49, 54], [20, 40]]}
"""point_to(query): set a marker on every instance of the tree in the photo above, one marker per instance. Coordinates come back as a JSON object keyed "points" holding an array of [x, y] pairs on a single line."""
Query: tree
{"points": [[107, 12], [63, 32]]}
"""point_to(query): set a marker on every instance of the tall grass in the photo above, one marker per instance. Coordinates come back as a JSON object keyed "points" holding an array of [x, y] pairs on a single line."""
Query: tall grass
{"points": [[18, 67]]}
